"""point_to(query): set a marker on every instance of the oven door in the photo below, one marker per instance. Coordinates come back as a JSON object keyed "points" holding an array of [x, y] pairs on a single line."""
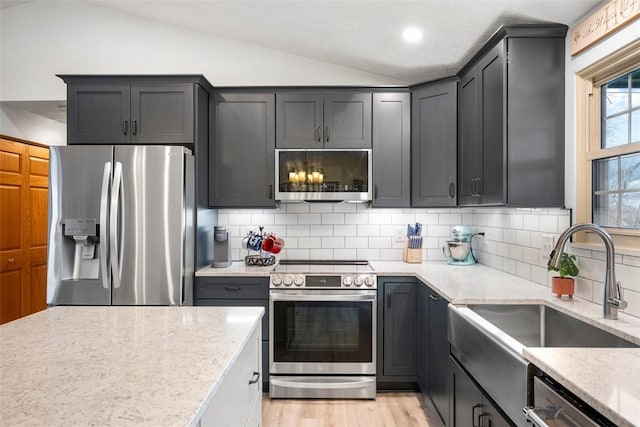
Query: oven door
{"points": [[322, 332]]}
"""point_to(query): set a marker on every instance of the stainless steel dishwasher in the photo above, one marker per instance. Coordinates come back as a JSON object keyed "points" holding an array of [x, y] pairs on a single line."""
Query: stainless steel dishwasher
{"points": [[554, 406]]}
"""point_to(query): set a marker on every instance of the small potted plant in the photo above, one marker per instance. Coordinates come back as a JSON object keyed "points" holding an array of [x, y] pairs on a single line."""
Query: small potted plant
{"points": [[561, 284]]}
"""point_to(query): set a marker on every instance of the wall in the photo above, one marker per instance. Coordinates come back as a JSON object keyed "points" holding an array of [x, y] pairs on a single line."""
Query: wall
{"points": [[513, 240], [82, 38]]}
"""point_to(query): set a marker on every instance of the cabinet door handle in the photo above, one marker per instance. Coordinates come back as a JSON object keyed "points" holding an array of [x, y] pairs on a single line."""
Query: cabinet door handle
{"points": [[125, 126], [270, 192], [375, 191], [434, 297], [326, 130], [452, 189], [388, 299], [134, 127], [473, 185], [254, 378], [473, 414], [489, 422], [232, 288], [319, 134], [479, 190]]}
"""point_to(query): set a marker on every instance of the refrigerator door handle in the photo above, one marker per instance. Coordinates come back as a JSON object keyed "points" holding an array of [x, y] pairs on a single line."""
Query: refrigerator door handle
{"points": [[114, 226], [104, 212]]}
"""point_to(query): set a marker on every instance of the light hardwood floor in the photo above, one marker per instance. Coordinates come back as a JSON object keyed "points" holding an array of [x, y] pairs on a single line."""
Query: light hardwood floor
{"points": [[388, 410]]}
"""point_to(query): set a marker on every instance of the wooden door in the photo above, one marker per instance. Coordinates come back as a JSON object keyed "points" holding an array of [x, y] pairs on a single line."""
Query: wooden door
{"points": [[347, 120], [24, 171]]}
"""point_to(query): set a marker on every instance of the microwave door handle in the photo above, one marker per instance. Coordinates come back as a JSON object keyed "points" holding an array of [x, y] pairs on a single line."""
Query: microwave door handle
{"points": [[104, 225], [114, 226]]}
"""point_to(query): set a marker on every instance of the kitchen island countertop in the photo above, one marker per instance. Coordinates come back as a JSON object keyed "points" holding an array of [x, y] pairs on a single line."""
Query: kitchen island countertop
{"points": [[118, 366]]}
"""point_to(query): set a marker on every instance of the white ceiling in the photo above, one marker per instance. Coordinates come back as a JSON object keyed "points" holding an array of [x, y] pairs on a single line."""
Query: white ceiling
{"points": [[362, 35]]}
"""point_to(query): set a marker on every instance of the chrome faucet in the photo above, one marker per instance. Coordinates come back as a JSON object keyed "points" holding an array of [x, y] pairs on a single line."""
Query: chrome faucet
{"points": [[612, 292]]}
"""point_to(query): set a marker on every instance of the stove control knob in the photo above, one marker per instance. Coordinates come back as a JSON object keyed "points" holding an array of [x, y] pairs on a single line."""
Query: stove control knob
{"points": [[370, 281], [347, 281], [287, 280], [276, 280], [358, 281], [298, 281]]}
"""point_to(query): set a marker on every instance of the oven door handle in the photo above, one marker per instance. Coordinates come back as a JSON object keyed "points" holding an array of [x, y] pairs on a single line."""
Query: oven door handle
{"points": [[340, 296]]}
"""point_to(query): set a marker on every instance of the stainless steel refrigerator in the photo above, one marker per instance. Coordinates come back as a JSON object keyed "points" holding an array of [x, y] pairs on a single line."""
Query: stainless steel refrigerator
{"points": [[121, 225]]}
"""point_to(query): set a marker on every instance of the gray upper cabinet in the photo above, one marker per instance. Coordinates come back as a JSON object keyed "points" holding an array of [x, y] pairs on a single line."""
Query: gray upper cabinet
{"points": [[391, 150], [317, 120], [131, 110], [511, 120], [241, 153], [433, 144]]}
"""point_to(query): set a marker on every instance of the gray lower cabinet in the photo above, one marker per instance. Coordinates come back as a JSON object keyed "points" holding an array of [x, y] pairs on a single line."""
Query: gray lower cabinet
{"points": [[469, 405], [397, 332], [242, 150], [391, 150], [438, 354], [238, 292], [323, 120], [519, 161], [132, 109], [433, 144]]}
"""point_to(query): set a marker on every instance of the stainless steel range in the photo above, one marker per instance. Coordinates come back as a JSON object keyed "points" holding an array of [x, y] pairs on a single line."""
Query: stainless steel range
{"points": [[322, 330]]}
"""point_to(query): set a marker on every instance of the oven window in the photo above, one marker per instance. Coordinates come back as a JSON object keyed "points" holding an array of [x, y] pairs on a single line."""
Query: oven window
{"points": [[322, 331]]}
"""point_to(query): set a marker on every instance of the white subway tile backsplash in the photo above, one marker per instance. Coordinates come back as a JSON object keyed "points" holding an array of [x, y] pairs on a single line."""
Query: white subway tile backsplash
{"points": [[380, 242], [356, 242], [286, 219], [335, 218], [321, 230], [297, 230], [427, 218], [450, 219], [369, 230], [345, 254], [263, 218], [380, 218], [357, 218], [309, 218], [333, 242], [321, 253], [549, 223], [513, 240], [368, 254], [345, 230]]}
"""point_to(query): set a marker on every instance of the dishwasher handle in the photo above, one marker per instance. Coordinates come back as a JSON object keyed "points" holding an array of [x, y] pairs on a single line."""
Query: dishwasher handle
{"points": [[538, 416]]}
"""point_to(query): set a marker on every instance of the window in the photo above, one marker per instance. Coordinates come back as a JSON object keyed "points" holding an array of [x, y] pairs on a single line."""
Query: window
{"points": [[608, 149]]}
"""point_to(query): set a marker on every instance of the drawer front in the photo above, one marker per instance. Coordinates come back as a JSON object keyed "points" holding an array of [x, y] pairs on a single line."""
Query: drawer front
{"points": [[241, 303], [232, 405], [232, 288]]}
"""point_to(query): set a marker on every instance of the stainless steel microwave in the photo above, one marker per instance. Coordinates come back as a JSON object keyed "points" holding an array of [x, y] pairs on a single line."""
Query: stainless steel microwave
{"points": [[323, 175]]}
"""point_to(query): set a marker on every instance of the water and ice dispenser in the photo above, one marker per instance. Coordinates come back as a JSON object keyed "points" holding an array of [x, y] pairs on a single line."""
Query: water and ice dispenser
{"points": [[81, 254]]}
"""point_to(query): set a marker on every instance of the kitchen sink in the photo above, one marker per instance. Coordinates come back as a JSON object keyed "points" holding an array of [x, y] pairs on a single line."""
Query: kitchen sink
{"points": [[489, 340], [541, 326]]}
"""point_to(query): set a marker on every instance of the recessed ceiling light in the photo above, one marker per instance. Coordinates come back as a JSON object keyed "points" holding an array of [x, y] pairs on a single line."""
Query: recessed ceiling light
{"points": [[412, 35]]}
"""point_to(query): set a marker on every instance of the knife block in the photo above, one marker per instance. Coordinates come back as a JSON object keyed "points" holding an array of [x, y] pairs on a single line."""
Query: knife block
{"points": [[412, 255]]}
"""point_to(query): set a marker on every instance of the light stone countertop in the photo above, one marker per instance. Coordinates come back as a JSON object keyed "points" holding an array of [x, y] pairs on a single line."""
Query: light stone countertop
{"points": [[236, 269], [118, 366], [601, 378], [609, 380]]}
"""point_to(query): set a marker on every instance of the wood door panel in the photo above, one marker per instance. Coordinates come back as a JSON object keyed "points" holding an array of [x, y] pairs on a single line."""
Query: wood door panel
{"points": [[10, 296], [24, 216], [39, 200], [10, 217], [38, 288], [11, 260]]}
